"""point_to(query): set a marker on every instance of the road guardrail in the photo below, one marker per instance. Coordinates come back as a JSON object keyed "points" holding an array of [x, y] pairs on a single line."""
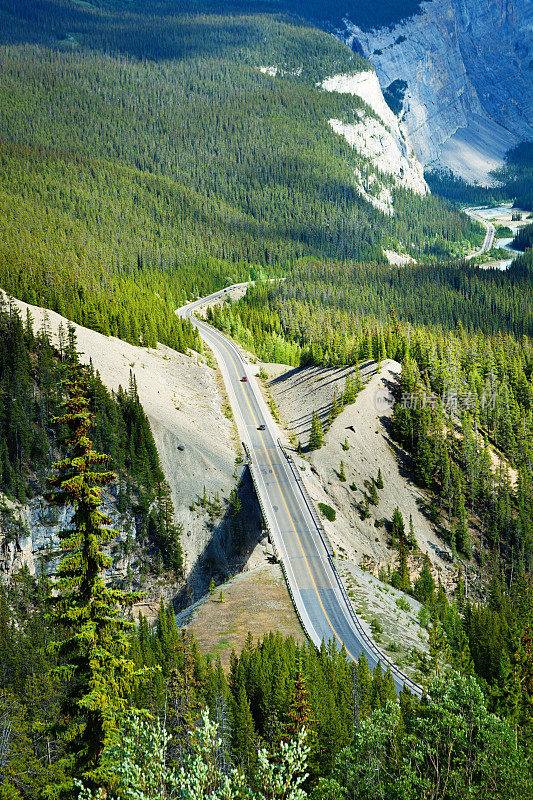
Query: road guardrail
{"points": [[378, 653]]}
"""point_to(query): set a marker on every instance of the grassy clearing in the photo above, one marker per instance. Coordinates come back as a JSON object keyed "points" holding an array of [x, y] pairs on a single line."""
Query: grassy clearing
{"points": [[255, 602]]}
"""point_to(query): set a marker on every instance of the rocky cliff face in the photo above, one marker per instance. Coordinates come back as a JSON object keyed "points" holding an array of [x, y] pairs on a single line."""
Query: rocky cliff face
{"points": [[29, 537], [379, 138], [468, 66]]}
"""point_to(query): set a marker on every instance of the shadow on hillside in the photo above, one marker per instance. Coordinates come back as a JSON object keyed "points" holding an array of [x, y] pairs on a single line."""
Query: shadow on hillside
{"points": [[313, 380], [232, 541]]}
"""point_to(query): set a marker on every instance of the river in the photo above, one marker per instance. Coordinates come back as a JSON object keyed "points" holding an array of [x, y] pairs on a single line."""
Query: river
{"points": [[502, 215]]}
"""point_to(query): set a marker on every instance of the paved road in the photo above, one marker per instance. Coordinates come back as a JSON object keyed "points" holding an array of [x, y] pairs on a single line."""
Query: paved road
{"points": [[489, 235], [317, 591]]}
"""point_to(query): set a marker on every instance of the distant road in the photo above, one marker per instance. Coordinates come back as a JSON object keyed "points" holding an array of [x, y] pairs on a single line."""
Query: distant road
{"points": [[489, 235], [305, 555]]}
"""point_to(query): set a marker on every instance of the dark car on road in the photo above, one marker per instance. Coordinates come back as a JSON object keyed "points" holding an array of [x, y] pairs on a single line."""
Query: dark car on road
{"points": [[261, 428]]}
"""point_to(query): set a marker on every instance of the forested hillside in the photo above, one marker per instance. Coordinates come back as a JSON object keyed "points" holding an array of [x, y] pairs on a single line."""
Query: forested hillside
{"points": [[34, 17], [131, 181], [31, 380], [452, 349], [524, 238], [356, 740], [330, 324]]}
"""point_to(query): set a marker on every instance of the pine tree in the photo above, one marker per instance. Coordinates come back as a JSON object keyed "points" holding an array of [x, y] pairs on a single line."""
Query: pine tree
{"points": [[462, 535], [298, 715], [363, 688], [316, 438], [350, 392], [424, 584], [243, 730], [377, 686], [398, 527], [461, 658], [379, 480], [373, 497], [403, 569], [335, 409], [93, 652], [342, 474], [183, 696], [411, 538], [235, 502]]}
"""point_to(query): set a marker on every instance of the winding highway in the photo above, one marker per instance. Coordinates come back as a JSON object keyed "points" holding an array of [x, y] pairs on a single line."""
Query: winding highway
{"points": [[490, 232], [305, 555]]}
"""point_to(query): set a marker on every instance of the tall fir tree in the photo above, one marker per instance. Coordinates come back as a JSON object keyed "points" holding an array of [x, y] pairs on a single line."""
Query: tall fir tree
{"points": [[92, 649]]}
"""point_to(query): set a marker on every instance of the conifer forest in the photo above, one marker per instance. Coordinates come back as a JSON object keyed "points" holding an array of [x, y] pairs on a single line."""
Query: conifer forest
{"points": [[155, 152]]}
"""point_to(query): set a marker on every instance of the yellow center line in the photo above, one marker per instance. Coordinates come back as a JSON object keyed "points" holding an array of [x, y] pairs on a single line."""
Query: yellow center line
{"points": [[221, 343]]}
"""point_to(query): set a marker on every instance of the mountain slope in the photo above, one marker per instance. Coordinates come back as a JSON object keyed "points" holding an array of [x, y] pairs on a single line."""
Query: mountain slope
{"points": [[195, 441], [467, 68], [145, 159]]}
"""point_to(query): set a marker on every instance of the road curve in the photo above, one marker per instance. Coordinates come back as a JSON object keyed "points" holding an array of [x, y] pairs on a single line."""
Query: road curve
{"points": [[489, 235], [316, 588]]}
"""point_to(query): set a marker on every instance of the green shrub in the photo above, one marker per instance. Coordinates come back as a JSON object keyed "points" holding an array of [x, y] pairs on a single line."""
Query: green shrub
{"points": [[328, 511], [402, 603]]}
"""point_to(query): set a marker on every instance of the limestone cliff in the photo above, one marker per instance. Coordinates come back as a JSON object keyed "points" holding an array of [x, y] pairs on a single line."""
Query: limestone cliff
{"points": [[29, 536], [379, 138], [468, 66]]}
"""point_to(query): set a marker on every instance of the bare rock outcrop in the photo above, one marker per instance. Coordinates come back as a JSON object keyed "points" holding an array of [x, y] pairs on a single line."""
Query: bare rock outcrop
{"points": [[467, 66]]}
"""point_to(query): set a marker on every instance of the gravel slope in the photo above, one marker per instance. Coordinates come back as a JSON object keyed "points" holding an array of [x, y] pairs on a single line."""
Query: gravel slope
{"points": [[298, 393], [183, 400]]}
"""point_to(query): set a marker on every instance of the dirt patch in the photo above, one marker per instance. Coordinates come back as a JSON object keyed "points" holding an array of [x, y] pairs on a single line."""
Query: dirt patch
{"points": [[256, 601]]}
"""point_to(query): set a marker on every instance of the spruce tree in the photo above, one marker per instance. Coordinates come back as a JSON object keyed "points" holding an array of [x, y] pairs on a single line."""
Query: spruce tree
{"points": [[424, 584], [243, 730], [350, 392], [363, 688], [298, 714], [379, 480], [403, 569], [411, 538], [316, 438], [183, 696], [335, 409], [398, 527], [463, 537], [373, 497], [92, 646]]}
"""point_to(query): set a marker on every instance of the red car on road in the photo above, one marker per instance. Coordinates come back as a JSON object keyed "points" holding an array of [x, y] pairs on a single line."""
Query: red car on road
{"points": [[244, 380]]}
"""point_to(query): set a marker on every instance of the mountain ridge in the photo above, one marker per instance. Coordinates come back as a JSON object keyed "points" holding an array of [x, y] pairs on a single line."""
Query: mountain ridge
{"points": [[467, 66]]}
